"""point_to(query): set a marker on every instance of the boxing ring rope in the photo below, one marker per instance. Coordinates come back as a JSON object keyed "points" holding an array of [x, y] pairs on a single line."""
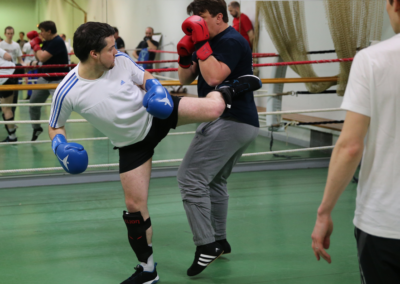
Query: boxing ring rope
{"points": [[175, 83], [85, 139], [30, 55], [290, 93], [169, 161], [160, 69], [284, 124], [260, 113]]}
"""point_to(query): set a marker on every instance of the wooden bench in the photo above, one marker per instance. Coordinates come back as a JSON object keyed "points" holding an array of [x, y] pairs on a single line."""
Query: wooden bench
{"points": [[307, 118]]}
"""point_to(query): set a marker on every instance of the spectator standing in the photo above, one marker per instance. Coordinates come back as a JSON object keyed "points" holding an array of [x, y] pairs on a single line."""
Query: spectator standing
{"points": [[53, 51], [29, 60], [14, 50], [119, 42], [144, 46], [241, 22], [68, 46], [7, 96], [11, 46], [21, 40], [370, 132]]}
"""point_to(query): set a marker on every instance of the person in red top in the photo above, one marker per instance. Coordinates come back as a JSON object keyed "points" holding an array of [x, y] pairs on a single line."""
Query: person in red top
{"points": [[241, 22]]}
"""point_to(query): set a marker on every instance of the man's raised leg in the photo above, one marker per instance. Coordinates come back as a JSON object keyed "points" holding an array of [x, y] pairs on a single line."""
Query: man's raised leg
{"points": [[211, 107], [206, 109]]}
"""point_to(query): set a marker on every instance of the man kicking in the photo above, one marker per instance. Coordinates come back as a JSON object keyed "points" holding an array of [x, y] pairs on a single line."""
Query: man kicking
{"points": [[135, 112]]}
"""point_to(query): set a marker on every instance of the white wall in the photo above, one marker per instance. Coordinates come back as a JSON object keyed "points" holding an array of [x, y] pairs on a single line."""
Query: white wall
{"points": [[165, 16], [319, 38]]}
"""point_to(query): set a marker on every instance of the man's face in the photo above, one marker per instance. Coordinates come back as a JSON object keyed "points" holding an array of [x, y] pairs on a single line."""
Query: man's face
{"points": [[149, 32], [21, 36], [212, 22], [63, 37], [107, 54], [233, 11], [393, 16], [46, 35], [9, 34], [116, 35]]}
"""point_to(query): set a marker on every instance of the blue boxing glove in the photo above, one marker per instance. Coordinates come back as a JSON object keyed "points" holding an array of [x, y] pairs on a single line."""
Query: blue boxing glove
{"points": [[157, 100], [72, 156]]}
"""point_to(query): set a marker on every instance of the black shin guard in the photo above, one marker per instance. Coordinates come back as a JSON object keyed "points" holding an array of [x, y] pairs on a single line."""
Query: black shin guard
{"points": [[5, 125], [137, 235]]}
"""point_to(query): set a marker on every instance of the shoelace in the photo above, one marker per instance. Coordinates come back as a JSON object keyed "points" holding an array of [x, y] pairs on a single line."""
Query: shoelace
{"points": [[138, 269]]}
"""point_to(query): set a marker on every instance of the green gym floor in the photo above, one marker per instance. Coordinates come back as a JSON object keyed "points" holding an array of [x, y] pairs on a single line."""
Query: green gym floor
{"points": [[75, 233]]}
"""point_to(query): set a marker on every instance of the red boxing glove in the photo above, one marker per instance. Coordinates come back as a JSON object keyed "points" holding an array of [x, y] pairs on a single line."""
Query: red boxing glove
{"points": [[197, 28], [36, 48], [32, 34], [185, 49], [35, 43]]}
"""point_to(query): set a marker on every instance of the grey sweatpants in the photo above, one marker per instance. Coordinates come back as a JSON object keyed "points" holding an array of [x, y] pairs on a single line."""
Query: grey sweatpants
{"points": [[203, 174], [39, 96]]}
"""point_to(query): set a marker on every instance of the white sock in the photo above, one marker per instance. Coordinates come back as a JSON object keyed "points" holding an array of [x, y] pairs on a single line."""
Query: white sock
{"points": [[149, 266], [12, 136]]}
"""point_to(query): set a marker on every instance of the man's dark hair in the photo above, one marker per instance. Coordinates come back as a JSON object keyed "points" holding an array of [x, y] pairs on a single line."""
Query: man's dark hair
{"points": [[391, 2], [8, 28], [48, 26], [22, 33], [214, 7], [91, 36], [235, 4], [116, 30]]}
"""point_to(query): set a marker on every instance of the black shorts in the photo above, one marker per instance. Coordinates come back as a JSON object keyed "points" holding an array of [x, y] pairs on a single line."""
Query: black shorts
{"points": [[135, 155], [379, 258], [11, 81]]}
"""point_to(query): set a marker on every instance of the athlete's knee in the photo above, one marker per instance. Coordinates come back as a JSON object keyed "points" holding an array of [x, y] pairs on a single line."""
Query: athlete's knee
{"points": [[135, 204], [218, 107]]}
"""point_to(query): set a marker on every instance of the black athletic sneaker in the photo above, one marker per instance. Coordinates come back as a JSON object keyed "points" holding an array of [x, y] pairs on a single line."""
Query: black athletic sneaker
{"points": [[36, 133], [204, 256], [8, 139], [225, 246], [143, 277], [239, 86]]}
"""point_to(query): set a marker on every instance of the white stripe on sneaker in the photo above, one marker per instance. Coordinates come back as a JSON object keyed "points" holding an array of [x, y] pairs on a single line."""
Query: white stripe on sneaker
{"points": [[202, 264], [206, 255], [205, 260]]}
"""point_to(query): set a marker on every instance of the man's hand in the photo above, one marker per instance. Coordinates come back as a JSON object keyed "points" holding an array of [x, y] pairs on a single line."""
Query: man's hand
{"points": [[321, 236], [185, 50]]}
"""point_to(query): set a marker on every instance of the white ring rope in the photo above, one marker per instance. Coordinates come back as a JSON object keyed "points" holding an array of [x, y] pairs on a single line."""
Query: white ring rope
{"points": [[84, 139], [25, 104], [163, 77], [260, 113], [167, 161], [40, 121], [27, 101], [301, 111]]}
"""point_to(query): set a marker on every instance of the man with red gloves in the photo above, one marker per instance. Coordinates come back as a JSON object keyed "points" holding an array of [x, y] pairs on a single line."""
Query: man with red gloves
{"points": [[135, 112], [52, 51], [215, 52]]}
